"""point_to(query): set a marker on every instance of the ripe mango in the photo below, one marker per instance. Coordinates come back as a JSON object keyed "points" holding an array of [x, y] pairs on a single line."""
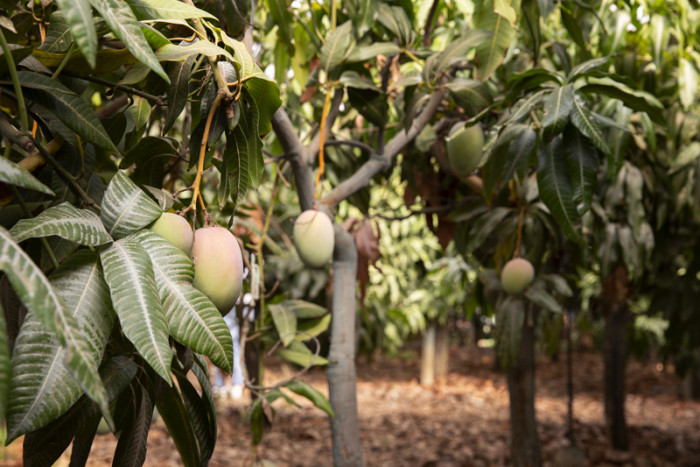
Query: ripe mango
{"points": [[218, 266], [314, 238]]}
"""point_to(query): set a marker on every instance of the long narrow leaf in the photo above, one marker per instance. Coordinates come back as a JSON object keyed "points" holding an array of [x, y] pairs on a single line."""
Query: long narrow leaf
{"points": [[583, 120], [5, 367], [16, 175], [177, 419], [126, 209], [80, 226], [129, 274], [581, 159], [557, 106], [82, 27]]}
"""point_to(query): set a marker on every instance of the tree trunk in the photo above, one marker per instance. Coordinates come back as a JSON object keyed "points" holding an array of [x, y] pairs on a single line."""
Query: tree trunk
{"points": [[442, 351], [615, 290], [347, 449], [427, 363], [691, 384], [525, 443]]}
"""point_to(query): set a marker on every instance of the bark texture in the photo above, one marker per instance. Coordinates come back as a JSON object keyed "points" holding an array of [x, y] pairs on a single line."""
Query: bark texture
{"points": [[427, 363], [525, 443], [616, 311], [442, 351], [347, 448]]}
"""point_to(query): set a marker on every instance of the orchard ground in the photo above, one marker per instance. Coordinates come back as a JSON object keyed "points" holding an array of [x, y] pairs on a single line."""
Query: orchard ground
{"points": [[462, 421]]}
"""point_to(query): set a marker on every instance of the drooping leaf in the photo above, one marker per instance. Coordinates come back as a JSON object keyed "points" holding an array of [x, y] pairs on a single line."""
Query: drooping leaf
{"points": [[199, 414], [43, 388], [129, 273], [457, 50], [66, 221], [250, 123], [337, 47], [510, 316], [120, 19], [283, 18], [471, 95], [166, 10], [5, 367], [539, 295], [510, 152], [557, 106], [78, 15], [363, 14], [491, 51], [236, 161], [583, 120], [266, 95], [395, 19], [38, 295], [687, 82], [126, 208], [485, 225], [640, 101], [45, 446], [67, 106], [132, 445], [312, 328], [177, 91], [555, 187], [14, 174], [192, 319], [304, 389], [285, 323], [581, 159], [201, 372], [582, 69], [172, 52], [176, 417]]}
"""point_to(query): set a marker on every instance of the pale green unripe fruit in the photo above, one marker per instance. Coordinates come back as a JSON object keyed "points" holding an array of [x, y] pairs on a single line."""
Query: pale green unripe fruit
{"points": [[314, 238], [464, 148], [218, 266], [517, 275], [176, 230]]}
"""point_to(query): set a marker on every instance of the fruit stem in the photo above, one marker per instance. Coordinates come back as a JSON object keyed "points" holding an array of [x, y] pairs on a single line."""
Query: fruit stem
{"points": [[520, 232], [322, 138], [202, 154]]}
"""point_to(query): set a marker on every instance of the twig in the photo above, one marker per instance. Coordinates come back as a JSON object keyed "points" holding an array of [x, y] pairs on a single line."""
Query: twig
{"points": [[127, 89], [13, 135], [321, 163], [428, 28], [21, 105]]}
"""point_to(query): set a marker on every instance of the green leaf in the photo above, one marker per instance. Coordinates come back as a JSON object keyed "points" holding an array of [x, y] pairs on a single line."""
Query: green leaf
{"points": [[353, 79], [583, 120], [303, 309], [283, 18], [244, 62], [201, 372], [126, 208], [67, 106], [510, 152], [177, 91], [394, 18], [250, 123], [582, 69], [266, 96], [236, 175], [471, 95], [363, 13], [687, 82], [124, 25], [363, 52], [492, 51], [66, 221], [581, 159], [58, 38], [530, 79], [457, 50], [557, 106], [5, 366], [688, 154], [43, 388], [555, 187], [78, 15], [14, 174], [166, 9], [311, 393], [176, 417], [299, 354], [485, 225], [640, 101], [129, 274], [132, 445], [285, 323], [337, 47], [40, 298], [510, 317], [312, 328], [199, 415], [540, 297], [192, 318], [176, 53]]}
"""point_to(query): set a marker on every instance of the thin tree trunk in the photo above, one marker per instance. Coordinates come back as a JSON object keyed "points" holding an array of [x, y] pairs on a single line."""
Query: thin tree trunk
{"points": [[442, 351], [347, 448], [525, 443], [614, 353], [427, 363], [615, 292]]}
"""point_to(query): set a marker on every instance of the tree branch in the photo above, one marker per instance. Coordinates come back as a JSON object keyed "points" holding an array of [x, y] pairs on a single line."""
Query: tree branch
{"points": [[377, 164]]}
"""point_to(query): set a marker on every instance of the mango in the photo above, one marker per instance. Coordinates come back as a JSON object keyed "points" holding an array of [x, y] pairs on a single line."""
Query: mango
{"points": [[517, 275], [464, 148], [176, 230], [314, 238]]}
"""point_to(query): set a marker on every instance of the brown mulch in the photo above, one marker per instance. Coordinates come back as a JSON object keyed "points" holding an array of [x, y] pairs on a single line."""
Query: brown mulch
{"points": [[462, 421]]}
